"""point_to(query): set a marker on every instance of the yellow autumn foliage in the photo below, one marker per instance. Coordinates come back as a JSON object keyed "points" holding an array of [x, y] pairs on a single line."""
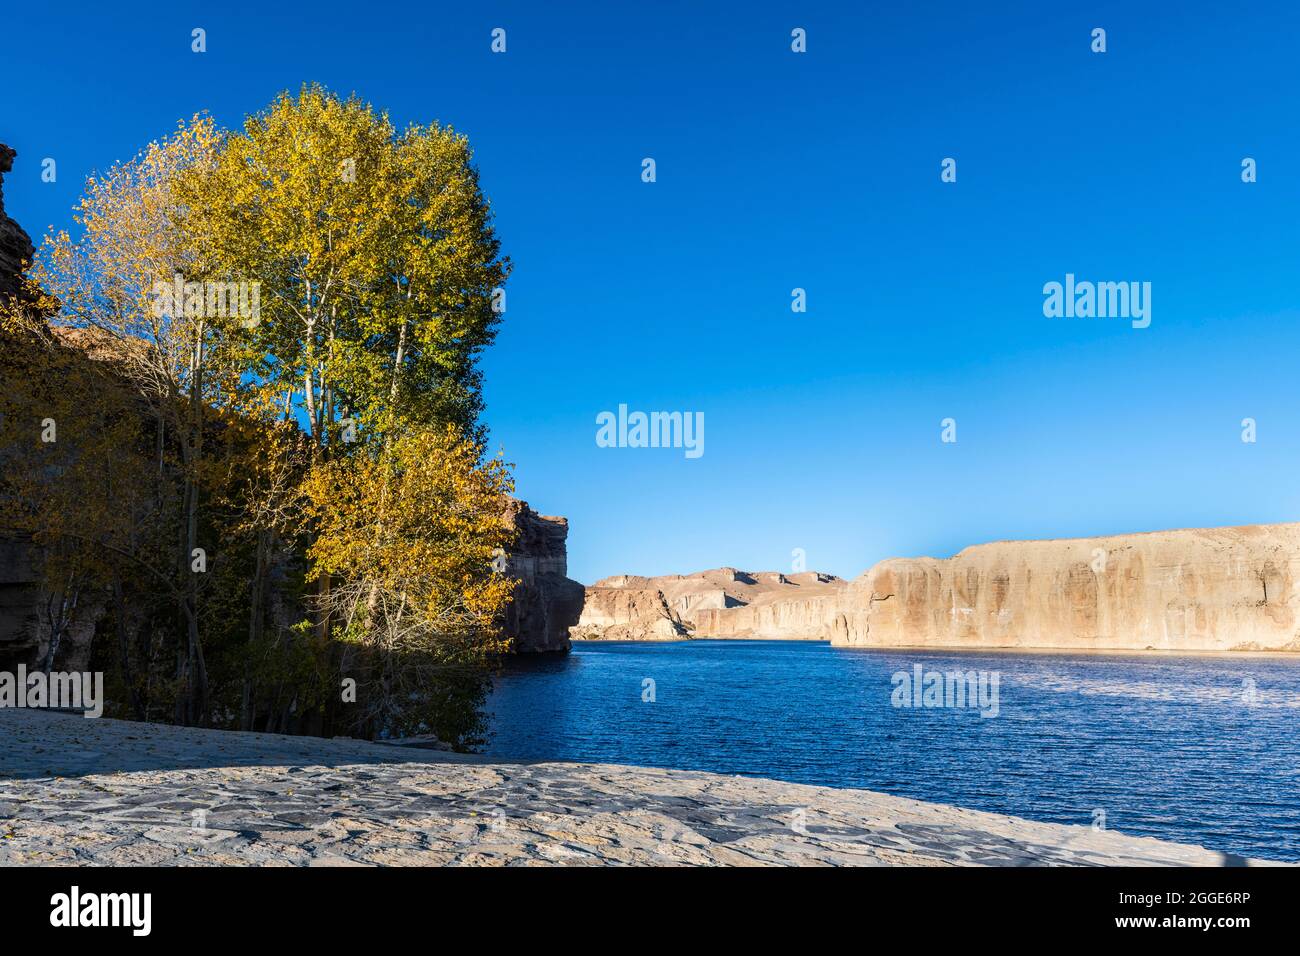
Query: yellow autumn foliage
{"points": [[414, 535], [332, 439]]}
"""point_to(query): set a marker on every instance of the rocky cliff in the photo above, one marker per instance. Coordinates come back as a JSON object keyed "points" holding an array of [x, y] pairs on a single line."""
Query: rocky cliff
{"points": [[1200, 590], [782, 616], [15, 245], [628, 614], [1215, 589], [723, 602], [20, 592], [546, 602], [25, 603], [19, 603]]}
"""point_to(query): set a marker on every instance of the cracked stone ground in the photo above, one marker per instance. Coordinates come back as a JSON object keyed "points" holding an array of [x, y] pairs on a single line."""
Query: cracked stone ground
{"points": [[105, 792]]}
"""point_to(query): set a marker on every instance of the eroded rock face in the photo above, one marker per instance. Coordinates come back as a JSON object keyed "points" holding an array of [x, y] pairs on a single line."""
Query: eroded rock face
{"points": [[722, 602], [628, 614], [20, 590], [801, 617], [15, 245], [26, 605], [1214, 589], [546, 601], [19, 596]]}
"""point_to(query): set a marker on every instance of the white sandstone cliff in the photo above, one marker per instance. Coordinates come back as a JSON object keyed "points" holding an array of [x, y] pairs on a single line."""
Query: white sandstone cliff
{"points": [[1214, 589]]}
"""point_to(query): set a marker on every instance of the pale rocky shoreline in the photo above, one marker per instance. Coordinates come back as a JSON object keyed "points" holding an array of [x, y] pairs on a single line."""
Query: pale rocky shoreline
{"points": [[106, 792]]}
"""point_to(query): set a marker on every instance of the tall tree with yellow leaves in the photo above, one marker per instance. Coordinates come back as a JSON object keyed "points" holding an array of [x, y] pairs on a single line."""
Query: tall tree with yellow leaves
{"points": [[374, 274], [416, 588], [376, 257], [379, 268]]}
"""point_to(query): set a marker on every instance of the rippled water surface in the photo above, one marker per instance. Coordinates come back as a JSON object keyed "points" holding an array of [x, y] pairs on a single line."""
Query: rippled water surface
{"points": [[1166, 747]]}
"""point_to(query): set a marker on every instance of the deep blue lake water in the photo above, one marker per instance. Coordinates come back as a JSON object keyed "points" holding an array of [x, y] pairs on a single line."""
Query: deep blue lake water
{"points": [[1166, 747]]}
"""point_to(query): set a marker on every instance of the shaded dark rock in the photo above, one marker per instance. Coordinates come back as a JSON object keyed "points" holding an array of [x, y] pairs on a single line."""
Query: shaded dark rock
{"points": [[16, 249], [546, 601]]}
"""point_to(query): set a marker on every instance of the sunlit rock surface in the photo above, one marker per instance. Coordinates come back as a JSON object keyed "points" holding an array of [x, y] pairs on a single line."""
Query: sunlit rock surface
{"points": [[721, 602], [104, 792], [1211, 589]]}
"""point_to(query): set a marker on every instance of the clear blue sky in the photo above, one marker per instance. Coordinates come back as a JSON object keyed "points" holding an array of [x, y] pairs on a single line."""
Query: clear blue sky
{"points": [[821, 171]]}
